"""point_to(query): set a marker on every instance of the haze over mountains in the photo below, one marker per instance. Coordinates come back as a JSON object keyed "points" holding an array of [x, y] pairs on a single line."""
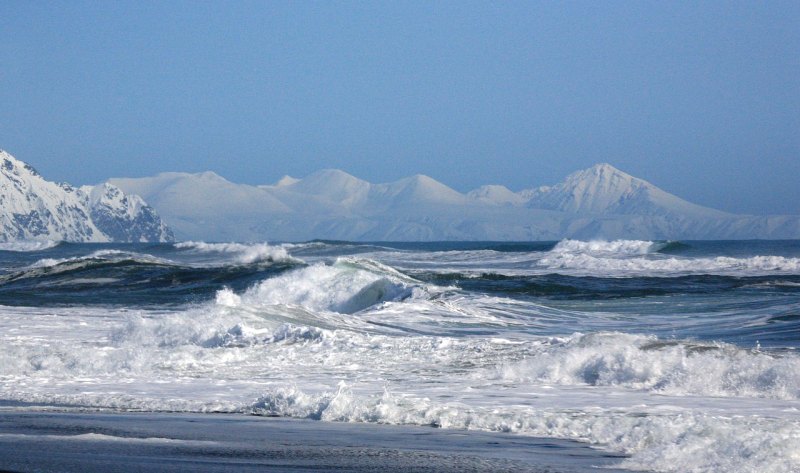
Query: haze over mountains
{"points": [[599, 202]]}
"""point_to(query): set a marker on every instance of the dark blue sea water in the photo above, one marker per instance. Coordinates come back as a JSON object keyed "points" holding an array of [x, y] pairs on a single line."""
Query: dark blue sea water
{"points": [[682, 355]]}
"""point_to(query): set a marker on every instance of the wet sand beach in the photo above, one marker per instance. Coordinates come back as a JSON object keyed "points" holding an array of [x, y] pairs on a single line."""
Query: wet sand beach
{"points": [[58, 441]]}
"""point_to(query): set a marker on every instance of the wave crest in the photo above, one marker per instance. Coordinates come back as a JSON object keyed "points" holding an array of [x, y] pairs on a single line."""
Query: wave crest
{"points": [[346, 287], [241, 253], [616, 247], [29, 245]]}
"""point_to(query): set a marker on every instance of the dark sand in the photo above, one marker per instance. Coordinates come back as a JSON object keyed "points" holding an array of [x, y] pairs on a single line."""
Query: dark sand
{"points": [[66, 441]]}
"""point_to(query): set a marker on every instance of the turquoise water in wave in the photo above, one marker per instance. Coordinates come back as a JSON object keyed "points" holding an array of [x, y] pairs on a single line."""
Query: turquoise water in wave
{"points": [[681, 355]]}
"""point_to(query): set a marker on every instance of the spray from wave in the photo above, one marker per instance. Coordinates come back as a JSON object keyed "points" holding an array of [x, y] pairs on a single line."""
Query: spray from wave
{"points": [[29, 245], [615, 247], [240, 253], [627, 258]]}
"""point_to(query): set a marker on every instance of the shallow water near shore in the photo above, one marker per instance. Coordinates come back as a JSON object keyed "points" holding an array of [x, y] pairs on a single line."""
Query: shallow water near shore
{"points": [[680, 356], [102, 441]]}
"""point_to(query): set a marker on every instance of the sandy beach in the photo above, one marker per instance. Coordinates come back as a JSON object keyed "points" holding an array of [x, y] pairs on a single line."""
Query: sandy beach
{"points": [[65, 441]]}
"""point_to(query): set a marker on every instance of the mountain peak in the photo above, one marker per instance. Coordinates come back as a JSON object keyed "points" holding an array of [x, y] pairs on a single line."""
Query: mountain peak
{"points": [[10, 164], [286, 180], [601, 171], [333, 185], [419, 188], [35, 208], [328, 177], [604, 189], [605, 167], [496, 194], [600, 201]]}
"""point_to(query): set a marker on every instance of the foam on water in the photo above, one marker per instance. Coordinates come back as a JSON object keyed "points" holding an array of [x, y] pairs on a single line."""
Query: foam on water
{"points": [[28, 245], [668, 367], [241, 253], [628, 258], [661, 438], [354, 340], [346, 286], [619, 258], [590, 265], [99, 256], [615, 247], [653, 399]]}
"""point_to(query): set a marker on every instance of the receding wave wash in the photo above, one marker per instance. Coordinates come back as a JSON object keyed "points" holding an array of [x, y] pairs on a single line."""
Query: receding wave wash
{"points": [[680, 355]]}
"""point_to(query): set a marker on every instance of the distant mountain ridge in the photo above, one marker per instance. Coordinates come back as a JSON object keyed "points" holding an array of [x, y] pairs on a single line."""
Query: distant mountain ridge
{"points": [[598, 202], [604, 189], [32, 208]]}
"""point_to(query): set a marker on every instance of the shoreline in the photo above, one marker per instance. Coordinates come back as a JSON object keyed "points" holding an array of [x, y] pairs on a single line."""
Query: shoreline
{"points": [[60, 440]]}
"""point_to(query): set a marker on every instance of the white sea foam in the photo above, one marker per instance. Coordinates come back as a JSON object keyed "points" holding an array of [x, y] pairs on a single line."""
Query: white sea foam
{"points": [[346, 286], [95, 437], [620, 258], [637, 258], [615, 247], [669, 404], [644, 362], [28, 245], [102, 255], [588, 264], [354, 340], [241, 253], [661, 439]]}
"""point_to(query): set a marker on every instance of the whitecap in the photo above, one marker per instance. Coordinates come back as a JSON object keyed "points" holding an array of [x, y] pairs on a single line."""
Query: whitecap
{"points": [[28, 245], [241, 253]]}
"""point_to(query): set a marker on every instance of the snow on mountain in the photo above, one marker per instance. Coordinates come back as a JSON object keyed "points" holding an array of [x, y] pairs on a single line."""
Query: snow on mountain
{"points": [[498, 195], [124, 217], [416, 190], [206, 205], [604, 189], [284, 181], [333, 186], [599, 202], [36, 209]]}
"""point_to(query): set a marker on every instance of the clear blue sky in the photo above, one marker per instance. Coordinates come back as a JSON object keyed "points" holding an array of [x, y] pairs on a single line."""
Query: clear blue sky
{"points": [[700, 98]]}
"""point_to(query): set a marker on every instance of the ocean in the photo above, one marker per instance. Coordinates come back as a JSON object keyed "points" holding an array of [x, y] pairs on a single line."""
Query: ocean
{"points": [[675, 355]]}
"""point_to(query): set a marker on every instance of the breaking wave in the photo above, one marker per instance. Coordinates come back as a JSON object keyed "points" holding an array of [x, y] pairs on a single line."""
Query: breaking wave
{"points": [[116, 277], [241, 253], [29, 245], [615, 247], [586, 264], [641, 258], [663, 366], [347, 286], [684, 360], [667, 441], [100, 256]]}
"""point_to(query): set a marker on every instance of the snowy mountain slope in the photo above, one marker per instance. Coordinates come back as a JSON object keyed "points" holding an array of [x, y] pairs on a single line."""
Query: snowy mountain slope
{"points": [[32, 208], [415, 191], [604, 189], [331, 185], [206, 204], [124, 217], [599, 202], [498, 195]]}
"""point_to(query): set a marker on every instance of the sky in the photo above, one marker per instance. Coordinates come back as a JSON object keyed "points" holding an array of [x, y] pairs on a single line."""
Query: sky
{"points": [[700, 98]]}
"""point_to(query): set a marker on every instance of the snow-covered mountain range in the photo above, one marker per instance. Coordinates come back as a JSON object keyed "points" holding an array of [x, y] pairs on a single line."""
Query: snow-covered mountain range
{"points": [[32, 208], [599, 202]]}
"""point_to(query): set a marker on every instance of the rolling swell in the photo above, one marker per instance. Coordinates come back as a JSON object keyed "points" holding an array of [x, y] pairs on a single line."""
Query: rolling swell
{"points": [[126, 279], [560, 286], [674, 247]]}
